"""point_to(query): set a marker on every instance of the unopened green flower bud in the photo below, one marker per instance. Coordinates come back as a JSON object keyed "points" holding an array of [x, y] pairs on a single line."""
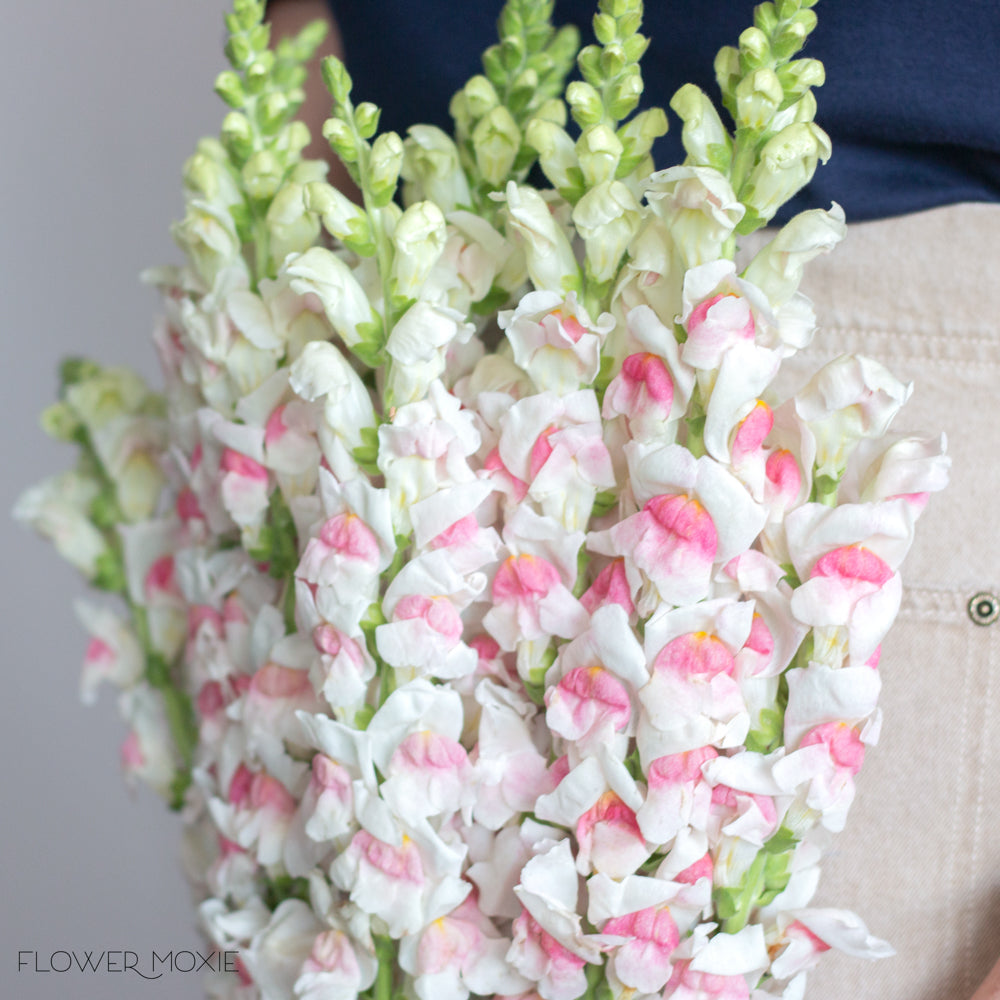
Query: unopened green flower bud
{"points": [[432, 169], [237, 135], [791, 39], [230, 88], [493, 65], [511, 22], [605, 28], [638, 136], [201, 176], [258, 73], [705, 138], [557, 155], [635, 47], [598, 150], [512, 52], [496, 141], [292, 227], [607, 217], [385, 164], [613, 60], [588, 108], [337, 79], [589, 61], [262, 175], [765, 17], [366, 116], [758, 96], [238, 51], [787, 163], [755, 50], [564, 45], [341, 217], [480, 96], [419, 239], [625, 94], [296, 138], [553, 110], [727, 71], [260, 40], [60, 422], [338, 134], [801, 75], [273, 112]]}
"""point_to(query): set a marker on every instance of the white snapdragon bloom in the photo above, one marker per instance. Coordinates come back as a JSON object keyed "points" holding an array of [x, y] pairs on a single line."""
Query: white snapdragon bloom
{"points": [[325, 275], [699, 206], [431, 169], [551, 263], [418, 346], [321, 372], [555, 341], [58, 509]]}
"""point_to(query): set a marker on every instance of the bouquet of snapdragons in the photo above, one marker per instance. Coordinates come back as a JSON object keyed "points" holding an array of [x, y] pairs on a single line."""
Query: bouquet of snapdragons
{"points": [[494, 621]]}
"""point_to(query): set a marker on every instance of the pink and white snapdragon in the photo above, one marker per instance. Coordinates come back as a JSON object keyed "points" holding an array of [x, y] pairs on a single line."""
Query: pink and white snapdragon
{"points": [[496, 626]]}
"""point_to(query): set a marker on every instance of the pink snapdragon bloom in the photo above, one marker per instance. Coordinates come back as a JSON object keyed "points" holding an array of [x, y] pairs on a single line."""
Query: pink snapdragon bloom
{"points": [[643, 961], [686, 984], [801, 951], [113, 653], [429, 775], [678, 795], [823, 770], [609, 838], [587, 705], [692, 698], [335, 968], [274, 695], [643, 393], [425, 636], [345, 554], [328, 803], [459, 953], [244, 487], [258, 813], [739, 813], [387, 881], [715, 325], [344, 667], [539, 957], [850, 587], [671, 544], [531, 602], [610, 586], [555, 444], [783, 482]]}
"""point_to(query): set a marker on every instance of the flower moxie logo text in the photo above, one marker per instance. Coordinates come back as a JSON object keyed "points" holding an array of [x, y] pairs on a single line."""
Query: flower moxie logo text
{"points": [[154, 967]]}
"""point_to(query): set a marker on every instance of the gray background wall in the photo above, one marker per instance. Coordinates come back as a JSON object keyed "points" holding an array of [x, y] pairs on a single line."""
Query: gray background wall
{"points": [[102, 101]]}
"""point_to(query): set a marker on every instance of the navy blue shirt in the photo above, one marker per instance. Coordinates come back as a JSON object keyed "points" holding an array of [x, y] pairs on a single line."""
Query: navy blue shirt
{"points": [[911, 102]]}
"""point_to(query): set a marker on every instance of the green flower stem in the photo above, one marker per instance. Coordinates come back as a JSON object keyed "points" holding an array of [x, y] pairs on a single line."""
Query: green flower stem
{"points": [[753, 888], [385, 952]]}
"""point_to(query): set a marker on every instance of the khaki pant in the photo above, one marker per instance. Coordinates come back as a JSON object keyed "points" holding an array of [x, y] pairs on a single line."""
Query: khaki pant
{"points": [[920, 857]]}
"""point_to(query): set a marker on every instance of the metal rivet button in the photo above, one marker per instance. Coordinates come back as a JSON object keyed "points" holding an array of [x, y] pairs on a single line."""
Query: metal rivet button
{"points": [[984, 609]]}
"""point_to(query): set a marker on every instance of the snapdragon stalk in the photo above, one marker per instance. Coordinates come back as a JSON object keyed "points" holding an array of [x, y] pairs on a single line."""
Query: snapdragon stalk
{"points": [[609, 153], [106, 515], [263, 140]]}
